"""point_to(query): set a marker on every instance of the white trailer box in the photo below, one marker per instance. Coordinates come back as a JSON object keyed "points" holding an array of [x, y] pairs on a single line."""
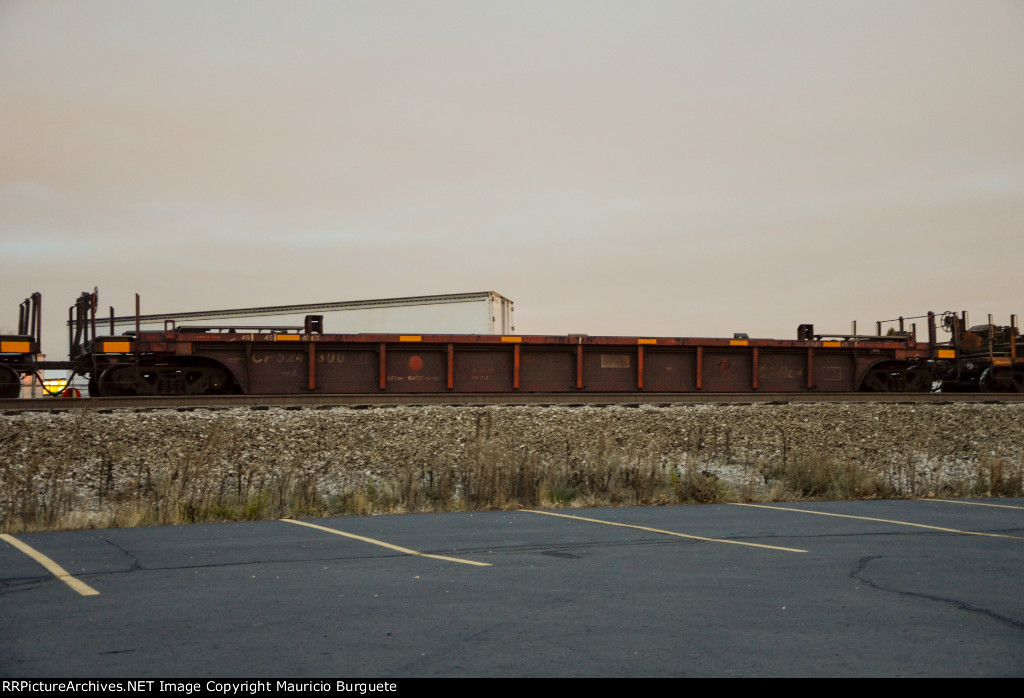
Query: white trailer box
{"points": [[485, 312]]}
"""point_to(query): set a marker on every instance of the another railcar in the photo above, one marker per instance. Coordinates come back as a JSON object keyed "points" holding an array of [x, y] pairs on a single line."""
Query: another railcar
{"points": [[990, 358], [19, 352]]}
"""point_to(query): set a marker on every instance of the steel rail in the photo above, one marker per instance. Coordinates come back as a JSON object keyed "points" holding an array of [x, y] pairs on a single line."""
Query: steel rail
{"points": [[483, 399]]}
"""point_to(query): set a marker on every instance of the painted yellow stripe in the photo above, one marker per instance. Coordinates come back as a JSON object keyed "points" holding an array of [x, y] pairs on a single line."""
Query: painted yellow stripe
{"points": [[511, 339], [738, 342], [976, 504], [947, 353], [288, 337], [117, 347], [646, 341], [410, 338], [891, 521], [15, 347], [667, 533], [51, 566], [381, 543], [831, 344]]}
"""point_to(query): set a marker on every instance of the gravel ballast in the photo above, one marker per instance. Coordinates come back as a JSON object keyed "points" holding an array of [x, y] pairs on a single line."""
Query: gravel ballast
{"points": [[95, 457]]}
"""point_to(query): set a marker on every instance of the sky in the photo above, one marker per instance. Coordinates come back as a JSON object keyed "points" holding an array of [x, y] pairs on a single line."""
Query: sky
{"points": [[650, 168]]}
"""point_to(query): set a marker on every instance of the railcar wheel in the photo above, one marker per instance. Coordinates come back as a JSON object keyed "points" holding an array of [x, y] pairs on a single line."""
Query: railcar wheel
{"points": [[896, 377], [881, 379], [1005, 381], [200, 379], [10, 382], [876, 380], [918, 380], [206, 380], [124, 381]]}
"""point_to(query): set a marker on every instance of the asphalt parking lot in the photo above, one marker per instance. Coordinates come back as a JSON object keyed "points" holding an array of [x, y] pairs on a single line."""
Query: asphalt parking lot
{"points": [[859, 588]]}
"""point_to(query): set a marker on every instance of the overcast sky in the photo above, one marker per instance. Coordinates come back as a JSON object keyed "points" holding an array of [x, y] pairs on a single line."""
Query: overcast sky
{"points": [[640, 168]]}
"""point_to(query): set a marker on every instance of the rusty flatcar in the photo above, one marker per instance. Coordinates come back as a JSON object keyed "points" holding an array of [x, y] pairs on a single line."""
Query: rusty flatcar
{"points": [[305, 360]]}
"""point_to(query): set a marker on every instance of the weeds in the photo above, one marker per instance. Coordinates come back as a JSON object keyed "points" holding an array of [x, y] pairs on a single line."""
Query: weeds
{"points": [[818, 477], [213, 480]]}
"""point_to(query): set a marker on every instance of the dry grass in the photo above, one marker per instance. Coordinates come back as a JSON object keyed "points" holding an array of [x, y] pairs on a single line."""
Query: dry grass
{"points": [[214, 483]]}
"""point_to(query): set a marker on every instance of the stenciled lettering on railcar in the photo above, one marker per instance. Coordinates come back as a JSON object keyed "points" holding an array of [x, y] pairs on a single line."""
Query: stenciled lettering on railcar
{"points": [[325, 356], [482, 374], [278, 357]]}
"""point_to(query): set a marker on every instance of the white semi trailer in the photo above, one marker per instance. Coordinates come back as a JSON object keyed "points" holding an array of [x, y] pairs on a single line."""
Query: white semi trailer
{"points": [[484, 312]]}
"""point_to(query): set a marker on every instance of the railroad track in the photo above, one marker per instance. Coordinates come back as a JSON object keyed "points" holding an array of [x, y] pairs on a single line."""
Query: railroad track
{"points": [[565, 399]]}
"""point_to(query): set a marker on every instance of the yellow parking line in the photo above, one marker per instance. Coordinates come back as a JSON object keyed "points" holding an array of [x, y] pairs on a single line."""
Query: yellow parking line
{"points": [[868, 518], [667, 533], [381, 543], [51, 566], [977, 504]]}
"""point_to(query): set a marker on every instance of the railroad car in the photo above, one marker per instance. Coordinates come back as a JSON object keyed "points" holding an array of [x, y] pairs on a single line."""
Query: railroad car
{"points": [[990, 358], [19, 352], [210, 360]]}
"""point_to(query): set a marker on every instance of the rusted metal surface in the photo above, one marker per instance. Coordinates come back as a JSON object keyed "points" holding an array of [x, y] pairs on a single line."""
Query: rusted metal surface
{"points": [[299, 362]]}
